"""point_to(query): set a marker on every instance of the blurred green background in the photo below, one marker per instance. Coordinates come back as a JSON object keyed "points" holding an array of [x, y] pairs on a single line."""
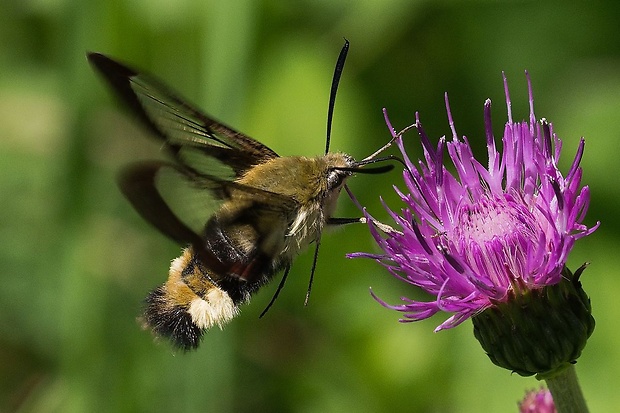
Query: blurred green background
{"points": [[77, 261]]}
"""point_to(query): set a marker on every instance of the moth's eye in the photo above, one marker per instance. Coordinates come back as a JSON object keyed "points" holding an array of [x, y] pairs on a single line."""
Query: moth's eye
{"points": [[335, 178]]}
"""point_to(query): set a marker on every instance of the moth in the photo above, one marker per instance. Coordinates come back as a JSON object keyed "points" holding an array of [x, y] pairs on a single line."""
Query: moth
{"points": [[259, 210]]}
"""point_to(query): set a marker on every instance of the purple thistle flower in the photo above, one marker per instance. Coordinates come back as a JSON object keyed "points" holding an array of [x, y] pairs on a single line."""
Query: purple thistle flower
{"points": [[471, 238]]}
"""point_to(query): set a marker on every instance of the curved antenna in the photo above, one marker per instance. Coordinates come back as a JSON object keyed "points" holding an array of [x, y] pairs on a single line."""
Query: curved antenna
{"points": [[330, 112], [332, 94]]}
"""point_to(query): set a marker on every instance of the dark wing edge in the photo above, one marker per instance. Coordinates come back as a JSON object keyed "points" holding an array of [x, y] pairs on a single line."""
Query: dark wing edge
{"points": [[138, 183], [175, 121]]}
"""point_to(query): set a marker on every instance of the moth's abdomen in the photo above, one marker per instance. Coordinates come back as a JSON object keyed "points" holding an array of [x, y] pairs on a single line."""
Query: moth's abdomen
{"points": [[170, 320], [187, 304]]}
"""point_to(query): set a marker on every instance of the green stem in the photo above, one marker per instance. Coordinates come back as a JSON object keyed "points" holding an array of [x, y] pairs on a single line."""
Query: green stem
{"points": [[566, 392]]}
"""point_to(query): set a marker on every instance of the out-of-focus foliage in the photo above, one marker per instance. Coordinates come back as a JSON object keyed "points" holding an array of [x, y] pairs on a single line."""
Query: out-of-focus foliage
{"points": [[77, 261]]}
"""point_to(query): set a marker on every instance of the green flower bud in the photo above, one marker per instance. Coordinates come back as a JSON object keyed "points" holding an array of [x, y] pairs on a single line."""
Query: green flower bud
{"points": [[537, 331]]}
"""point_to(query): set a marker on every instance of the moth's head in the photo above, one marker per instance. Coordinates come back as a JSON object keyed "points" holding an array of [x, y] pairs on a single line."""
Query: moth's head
{"points": [[337, 167]]}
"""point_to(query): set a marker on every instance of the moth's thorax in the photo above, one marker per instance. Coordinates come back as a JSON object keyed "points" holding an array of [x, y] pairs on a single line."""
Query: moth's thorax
{"points": [[301, 178], [314, 183]]}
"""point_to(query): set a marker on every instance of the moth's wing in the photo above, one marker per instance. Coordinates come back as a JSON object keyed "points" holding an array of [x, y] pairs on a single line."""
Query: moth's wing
{"points": [[187, 132], [139, 183], [179, 202]]}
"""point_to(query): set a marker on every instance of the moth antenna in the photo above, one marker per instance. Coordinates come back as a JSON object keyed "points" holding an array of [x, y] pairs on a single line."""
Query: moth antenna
{"points": [[316, 256], [342, 57], [275, 295], [332, 95]]}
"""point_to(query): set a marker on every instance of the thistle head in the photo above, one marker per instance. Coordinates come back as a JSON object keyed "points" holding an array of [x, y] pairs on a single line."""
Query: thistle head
{"points": [[487, 235]]}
